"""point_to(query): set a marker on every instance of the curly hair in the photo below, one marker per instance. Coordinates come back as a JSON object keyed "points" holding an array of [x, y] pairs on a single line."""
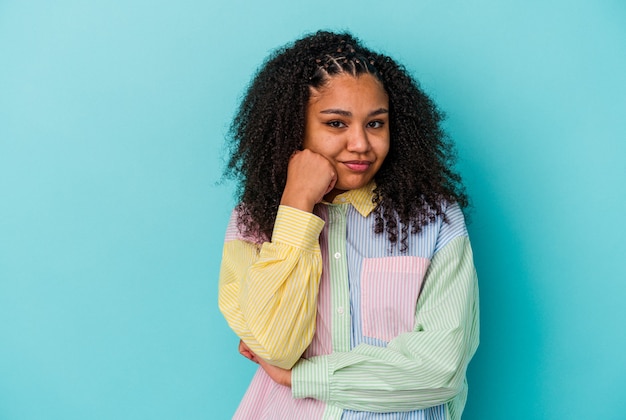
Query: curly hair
{"points": [[416, 179]]}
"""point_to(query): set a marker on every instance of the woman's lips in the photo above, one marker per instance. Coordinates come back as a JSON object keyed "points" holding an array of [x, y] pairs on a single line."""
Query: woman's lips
{"points": [[358, 165]]}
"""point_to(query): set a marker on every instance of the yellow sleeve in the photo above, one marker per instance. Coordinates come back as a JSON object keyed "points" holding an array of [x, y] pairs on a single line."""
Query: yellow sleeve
{"points": [[268, 294]]}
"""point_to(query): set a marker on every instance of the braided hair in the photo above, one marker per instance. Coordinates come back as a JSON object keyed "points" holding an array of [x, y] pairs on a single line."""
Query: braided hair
{"points": [[414, 183]]}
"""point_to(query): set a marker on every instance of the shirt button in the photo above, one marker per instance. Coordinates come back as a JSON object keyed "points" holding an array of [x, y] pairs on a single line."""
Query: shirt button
{"points": [[340, 310], [342, 199], [337, 255]]}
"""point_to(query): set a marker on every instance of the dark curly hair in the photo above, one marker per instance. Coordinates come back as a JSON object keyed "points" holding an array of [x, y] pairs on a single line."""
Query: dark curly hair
{"points": [[416, 179]]}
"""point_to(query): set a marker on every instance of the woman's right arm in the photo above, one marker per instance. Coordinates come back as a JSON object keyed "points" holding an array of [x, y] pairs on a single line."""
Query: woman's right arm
{"points": [[269, 295]]}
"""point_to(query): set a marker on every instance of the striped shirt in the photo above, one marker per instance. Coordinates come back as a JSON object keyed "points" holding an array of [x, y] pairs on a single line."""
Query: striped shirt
{"points": [[339, 305]]}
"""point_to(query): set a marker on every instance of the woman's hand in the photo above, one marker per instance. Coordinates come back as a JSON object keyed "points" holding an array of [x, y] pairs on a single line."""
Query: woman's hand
{"points": [[245, 351], [278, 375], [310, 176]]}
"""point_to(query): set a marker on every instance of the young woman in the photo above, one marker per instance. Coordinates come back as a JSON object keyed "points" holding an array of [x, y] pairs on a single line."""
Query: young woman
{"points": [[347, 271]]}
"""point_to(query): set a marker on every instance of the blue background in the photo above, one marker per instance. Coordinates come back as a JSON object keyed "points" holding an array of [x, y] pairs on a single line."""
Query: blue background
{"points": [[112, 120]]}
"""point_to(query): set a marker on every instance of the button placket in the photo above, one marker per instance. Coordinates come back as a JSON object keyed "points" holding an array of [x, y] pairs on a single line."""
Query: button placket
{"points": [[340, 292]]}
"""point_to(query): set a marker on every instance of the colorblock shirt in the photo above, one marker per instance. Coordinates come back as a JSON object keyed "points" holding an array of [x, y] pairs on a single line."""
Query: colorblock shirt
{"points": [[369, 331]]}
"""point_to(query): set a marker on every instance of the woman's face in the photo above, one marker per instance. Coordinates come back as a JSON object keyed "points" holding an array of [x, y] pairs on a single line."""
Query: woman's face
{"points": [[347, 122]]}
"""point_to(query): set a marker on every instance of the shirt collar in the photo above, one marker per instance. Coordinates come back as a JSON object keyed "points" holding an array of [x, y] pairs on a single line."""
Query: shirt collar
{"points": [[361, 198]]}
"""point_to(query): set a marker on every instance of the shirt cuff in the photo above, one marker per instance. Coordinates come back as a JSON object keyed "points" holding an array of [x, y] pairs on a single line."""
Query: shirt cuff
{"points": [[310, 379], [297, 228]]}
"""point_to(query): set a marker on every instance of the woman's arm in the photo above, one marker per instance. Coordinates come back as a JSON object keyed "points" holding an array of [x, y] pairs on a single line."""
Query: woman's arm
{"points": [[416, 370], [269, 296]]}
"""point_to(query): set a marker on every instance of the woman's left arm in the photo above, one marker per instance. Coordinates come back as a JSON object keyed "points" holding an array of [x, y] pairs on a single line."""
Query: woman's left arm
{"points": [[419, 369]]}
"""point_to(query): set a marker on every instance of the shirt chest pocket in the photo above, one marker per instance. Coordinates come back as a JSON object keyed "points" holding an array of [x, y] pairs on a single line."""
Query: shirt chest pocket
{"points": [[389, 290]]}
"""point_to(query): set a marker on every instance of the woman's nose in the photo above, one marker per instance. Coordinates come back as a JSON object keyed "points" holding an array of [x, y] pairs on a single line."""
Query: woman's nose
{"points": [[358, 141]]}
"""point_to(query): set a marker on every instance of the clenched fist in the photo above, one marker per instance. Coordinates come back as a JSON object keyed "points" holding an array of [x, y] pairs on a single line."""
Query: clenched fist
{"points": [[310, 176]]}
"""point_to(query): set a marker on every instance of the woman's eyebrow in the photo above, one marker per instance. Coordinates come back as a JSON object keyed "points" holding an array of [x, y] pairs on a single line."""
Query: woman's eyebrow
{"points": [[379, 111], [349, 114], [336, 111]]}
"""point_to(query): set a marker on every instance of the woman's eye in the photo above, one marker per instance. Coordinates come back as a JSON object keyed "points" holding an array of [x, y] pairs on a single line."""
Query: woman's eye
{"points": [[335, 124], [375, 124]]}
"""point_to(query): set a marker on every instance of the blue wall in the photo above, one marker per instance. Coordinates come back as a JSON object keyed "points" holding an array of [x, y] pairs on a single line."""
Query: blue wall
{"points": [[112, 118]]}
